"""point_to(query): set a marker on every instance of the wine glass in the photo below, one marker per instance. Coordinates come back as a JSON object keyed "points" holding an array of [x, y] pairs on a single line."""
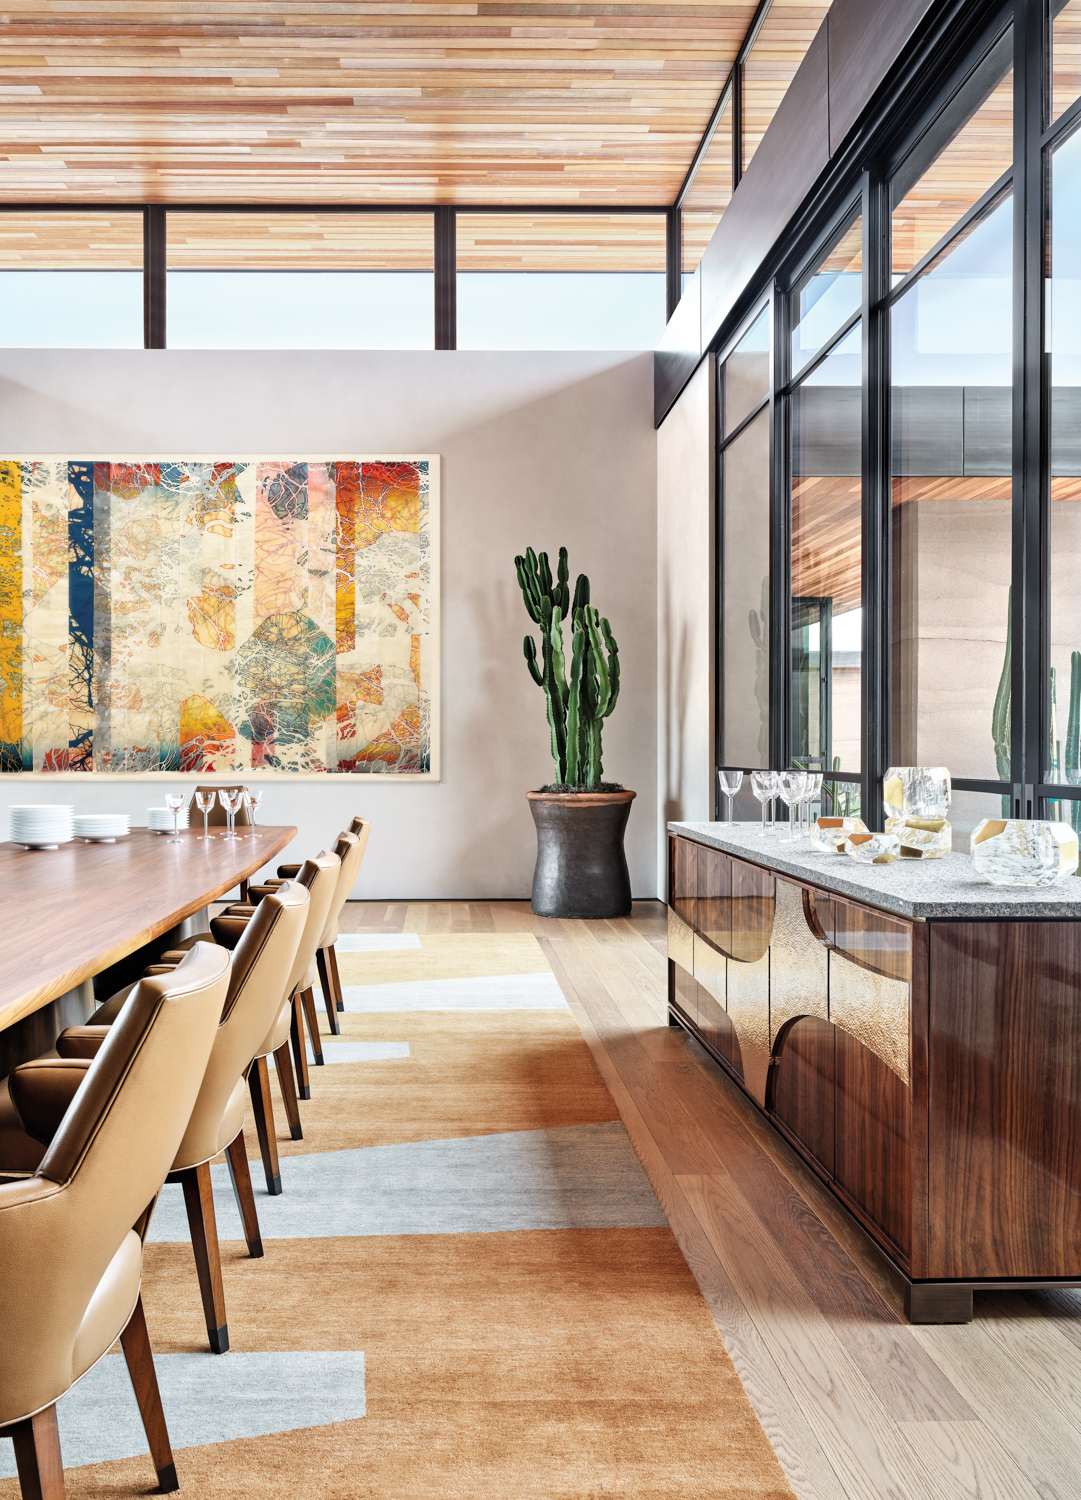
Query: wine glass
{"points": [[230, 801], [791, 789], [204, 801], [730, 781], [814, 791], [174, 801], [764, 786], [252, 799]]}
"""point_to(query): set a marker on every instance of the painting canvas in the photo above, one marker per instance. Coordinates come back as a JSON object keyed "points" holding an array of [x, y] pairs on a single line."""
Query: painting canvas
{"points": [[214, 615]]}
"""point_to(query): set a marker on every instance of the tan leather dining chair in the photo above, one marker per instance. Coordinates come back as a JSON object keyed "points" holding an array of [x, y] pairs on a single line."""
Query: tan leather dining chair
{"points": [[71, 1234], [265, 949], [350, 849]]}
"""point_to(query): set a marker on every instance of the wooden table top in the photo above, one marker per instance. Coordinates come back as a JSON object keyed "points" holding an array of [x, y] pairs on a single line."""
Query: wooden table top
{"points": [[69, 913]]}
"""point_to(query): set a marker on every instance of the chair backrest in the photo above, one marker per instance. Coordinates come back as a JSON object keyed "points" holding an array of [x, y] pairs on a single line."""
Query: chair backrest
{"points": [[350, 850], [320, 876], [361, 827], [61, 1229], [216, 816], [260, 962]]}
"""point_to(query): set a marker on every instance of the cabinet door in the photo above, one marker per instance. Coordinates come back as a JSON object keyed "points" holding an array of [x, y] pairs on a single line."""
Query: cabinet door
{"points": [[751, 908], [686, 992], [684, 881], [714, 898]]}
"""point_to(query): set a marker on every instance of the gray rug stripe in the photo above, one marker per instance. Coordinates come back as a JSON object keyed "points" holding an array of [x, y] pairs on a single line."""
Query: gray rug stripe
{"points": [[351, 1052], [489, 992], [574, 1177], [207, 1398]]}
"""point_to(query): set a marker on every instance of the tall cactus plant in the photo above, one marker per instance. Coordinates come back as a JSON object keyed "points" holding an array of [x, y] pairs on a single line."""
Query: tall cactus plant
{"points": [[576, 707], [1000, 716]]}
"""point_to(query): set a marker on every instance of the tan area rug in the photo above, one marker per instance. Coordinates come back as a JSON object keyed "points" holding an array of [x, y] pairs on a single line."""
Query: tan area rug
{"points": [[541, 1363]]}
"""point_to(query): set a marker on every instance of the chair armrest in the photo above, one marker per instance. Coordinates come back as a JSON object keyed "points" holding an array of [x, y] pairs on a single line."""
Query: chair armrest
{"points": [[42, 1090], [81, 1041], [172, 958], [229, 928], [238, 909], [265, 888], [288, 872]]}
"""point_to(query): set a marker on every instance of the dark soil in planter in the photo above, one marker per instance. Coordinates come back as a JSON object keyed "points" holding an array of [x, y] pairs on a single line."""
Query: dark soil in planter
{"points": [[563, 789]]}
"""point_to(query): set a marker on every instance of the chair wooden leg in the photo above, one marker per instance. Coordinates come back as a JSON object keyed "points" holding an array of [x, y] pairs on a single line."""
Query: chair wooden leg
{"points": [[308, 1001], [262, 1107], [236, 1157], [332, 960], [135, 1342], [199, 1202], [327, 986], [300, 1051], [37, 1456], [287, 1083]]}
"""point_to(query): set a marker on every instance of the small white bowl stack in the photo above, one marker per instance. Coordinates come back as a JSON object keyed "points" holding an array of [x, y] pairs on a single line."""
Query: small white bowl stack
{"points": [[43, 826], [102, 828], [160, 819]]}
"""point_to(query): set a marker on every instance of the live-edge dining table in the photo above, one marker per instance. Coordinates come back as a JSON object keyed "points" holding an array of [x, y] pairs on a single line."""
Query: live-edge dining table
{"points": [[69, 913]]}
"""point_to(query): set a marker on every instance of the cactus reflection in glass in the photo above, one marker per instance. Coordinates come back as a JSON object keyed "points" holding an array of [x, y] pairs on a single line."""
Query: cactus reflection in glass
{"points": [[576, 707]]}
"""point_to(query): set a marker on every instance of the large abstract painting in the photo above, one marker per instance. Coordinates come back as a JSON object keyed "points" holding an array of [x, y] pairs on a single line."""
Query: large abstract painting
{"points": [[218, 615]]}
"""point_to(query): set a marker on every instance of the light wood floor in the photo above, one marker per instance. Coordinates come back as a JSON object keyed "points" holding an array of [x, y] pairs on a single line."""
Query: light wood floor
{"points": [[856, 1402]]}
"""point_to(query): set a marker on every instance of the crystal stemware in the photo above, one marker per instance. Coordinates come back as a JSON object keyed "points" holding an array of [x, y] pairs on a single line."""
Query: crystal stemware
{"points": [[204, 801], [730, 782], [764, 786], [230, 801], [174, 801], [252, 798], [791, 788], [812, 792]]}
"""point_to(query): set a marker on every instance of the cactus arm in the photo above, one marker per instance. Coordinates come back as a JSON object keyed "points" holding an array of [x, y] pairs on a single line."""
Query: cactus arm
{"points": [[531, 601], [530, 649], [1000, 718], [613, 666], [559, 665], [544, 573], [581, 595], [597, 652], [562, 575], [574, 711], [1072, 756]]}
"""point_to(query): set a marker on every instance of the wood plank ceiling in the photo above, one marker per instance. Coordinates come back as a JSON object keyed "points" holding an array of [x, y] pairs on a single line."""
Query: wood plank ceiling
{"points": [[332, 101]]}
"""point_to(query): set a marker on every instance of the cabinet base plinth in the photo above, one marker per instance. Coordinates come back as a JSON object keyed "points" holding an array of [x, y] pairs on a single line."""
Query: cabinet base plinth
{"points": [[938, 1302]]}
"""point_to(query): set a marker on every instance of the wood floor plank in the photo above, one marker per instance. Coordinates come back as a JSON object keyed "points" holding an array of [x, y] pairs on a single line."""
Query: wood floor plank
{"points": [[968, 1461], [863, 1443], [801, 1454], [480, 917]]}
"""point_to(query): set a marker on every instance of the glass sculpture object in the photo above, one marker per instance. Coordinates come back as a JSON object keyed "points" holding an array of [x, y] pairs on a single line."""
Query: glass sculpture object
{"points": [[916, 791], [873, 848], [1023, 851], [829, 834], [922, 838]]}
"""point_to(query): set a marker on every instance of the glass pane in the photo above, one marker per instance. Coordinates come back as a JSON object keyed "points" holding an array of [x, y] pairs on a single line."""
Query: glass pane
{"points": [[561, 281], [71, 280], [951, 499], [964, 153], [968, 810], [1064, 348], [709, 193], [787, 32], [1065, 55], [827, 552], [745, 654], [745, 374], [1061, 810], [828, 296], [300, 281]]}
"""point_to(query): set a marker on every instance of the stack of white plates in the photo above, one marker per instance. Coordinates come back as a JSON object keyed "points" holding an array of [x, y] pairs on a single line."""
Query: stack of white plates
{"points": [[160, 819], [41, 827], [102, 828]]}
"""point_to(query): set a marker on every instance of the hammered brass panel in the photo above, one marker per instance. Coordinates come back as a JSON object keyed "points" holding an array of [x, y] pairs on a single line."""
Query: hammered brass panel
{"points": [[748, 1010], [873, 1009], [709, 970], [680, 942], [799, 964]]}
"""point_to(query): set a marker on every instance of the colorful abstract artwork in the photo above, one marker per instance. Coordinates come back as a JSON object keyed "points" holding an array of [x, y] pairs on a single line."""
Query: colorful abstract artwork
{"points": [[256, 615]]}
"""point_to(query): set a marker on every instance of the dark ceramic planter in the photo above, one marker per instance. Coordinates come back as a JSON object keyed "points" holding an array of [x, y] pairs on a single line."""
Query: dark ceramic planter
{"points": [[581, 867]]}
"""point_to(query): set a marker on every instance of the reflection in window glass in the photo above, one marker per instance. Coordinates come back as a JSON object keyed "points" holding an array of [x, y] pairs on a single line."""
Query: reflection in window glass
{"points": [[1065, 55], [968, 810], [71, 280], [561, 281], [931, 195], [709, 193], [300, 281], [951, 507], [787, 32], [1064, 346], [827, 553], [745, 374], [745, 647], [828, 296]]}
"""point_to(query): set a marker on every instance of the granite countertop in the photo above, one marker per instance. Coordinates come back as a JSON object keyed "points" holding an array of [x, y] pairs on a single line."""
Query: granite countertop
{"points": [[917, 889]]}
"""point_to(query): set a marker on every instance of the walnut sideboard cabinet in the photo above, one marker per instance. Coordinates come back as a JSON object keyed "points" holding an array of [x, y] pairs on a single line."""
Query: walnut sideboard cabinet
{"points": [[913, 1032]]}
